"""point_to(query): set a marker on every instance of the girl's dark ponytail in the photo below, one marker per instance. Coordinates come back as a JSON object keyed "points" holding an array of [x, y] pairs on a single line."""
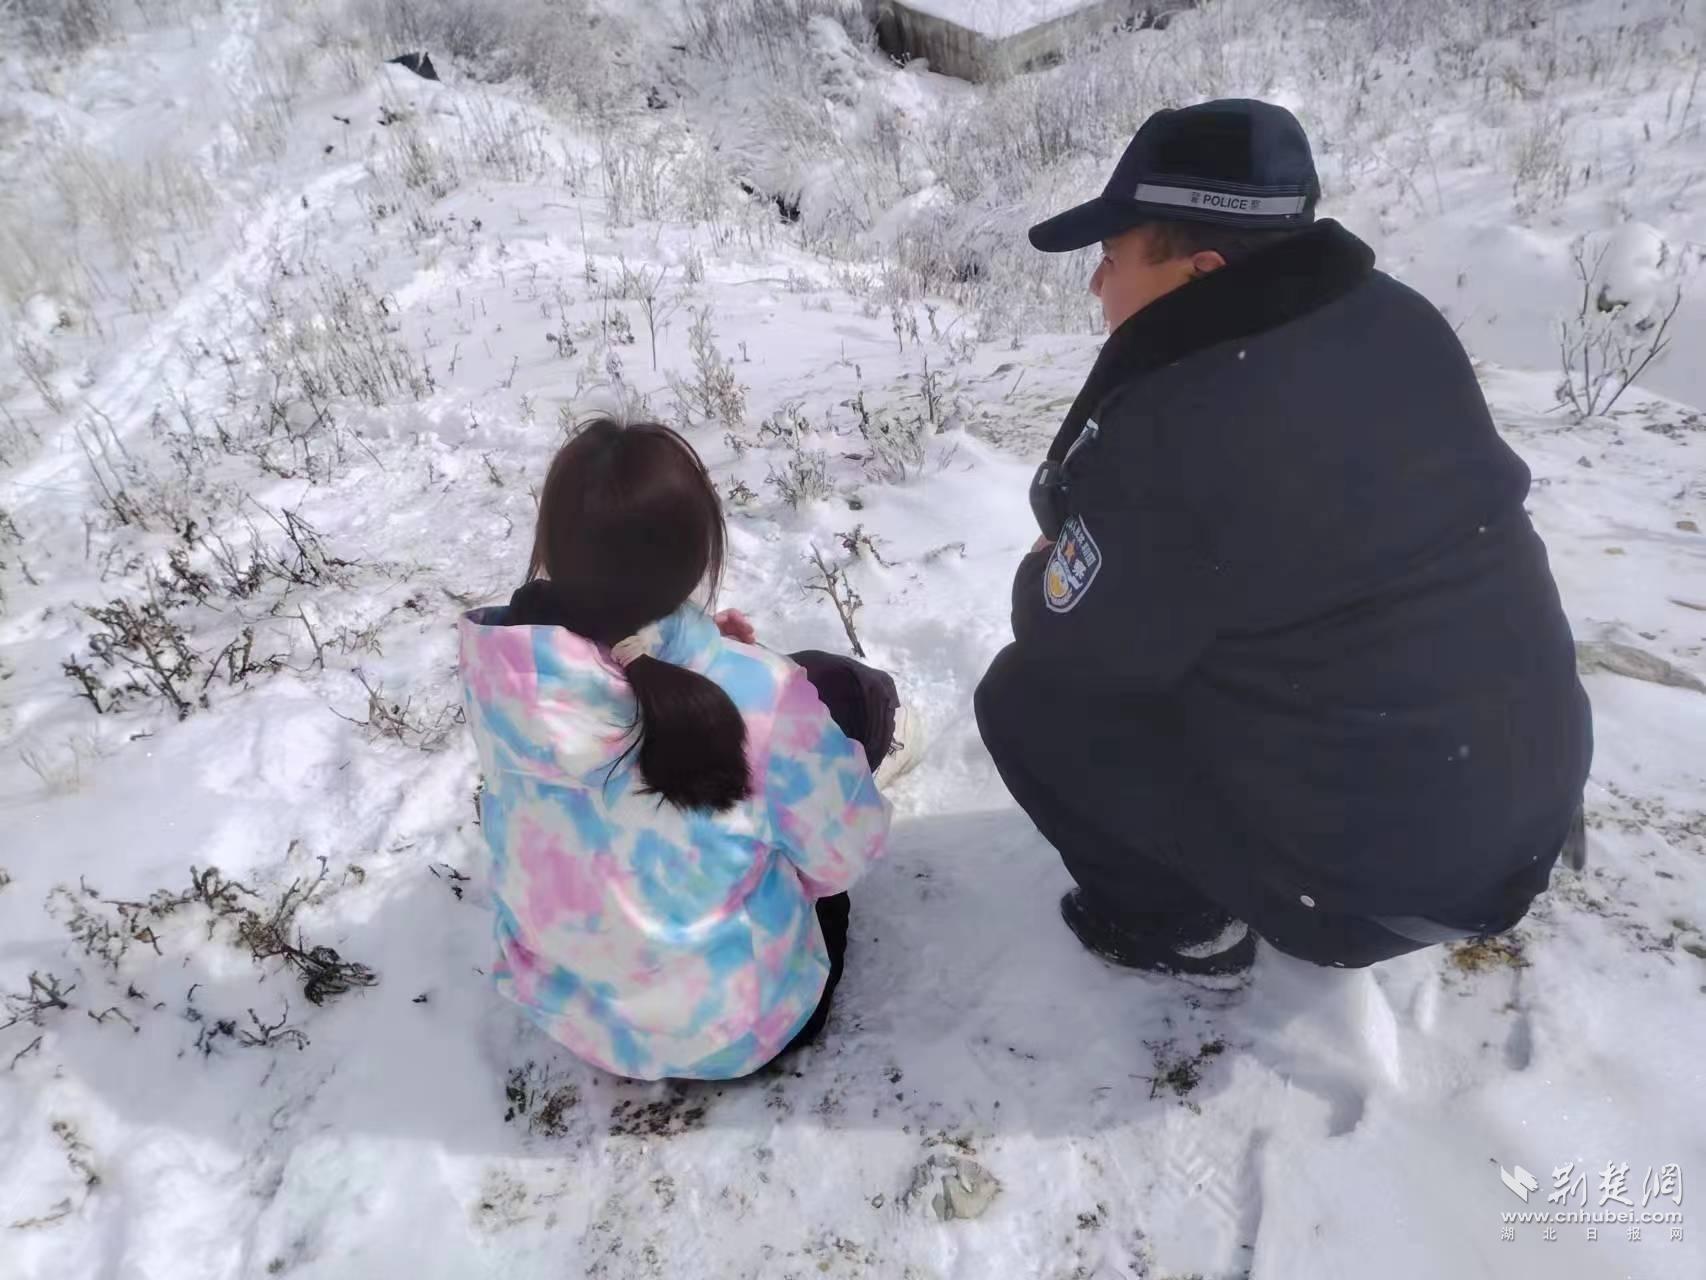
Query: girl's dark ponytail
{"points": [[691, 738], [630, 527]]}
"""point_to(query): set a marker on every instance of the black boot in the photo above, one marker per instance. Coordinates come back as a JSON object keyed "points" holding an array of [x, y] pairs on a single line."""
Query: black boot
{"points": [[1203, 943]]}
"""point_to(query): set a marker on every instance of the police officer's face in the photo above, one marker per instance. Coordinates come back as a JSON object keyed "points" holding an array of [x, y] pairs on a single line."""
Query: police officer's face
{"points": [[1129, 278]]}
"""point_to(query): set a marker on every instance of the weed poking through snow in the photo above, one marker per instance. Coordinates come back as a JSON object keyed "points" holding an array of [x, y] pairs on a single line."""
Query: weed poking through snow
{"points": [[803, 477], [267, 934], [536, 1097], [1180, 1075], [387, 718], [832, 581], [715, 394], [1609, 342], [45, 993]]}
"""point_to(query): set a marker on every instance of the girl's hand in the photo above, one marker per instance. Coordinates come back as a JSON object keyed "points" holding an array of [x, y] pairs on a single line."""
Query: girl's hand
{"points": [[735, 625]]}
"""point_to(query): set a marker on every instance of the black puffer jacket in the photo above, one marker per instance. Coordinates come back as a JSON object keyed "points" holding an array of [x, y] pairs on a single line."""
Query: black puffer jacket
{"points": [[1295, 535]]}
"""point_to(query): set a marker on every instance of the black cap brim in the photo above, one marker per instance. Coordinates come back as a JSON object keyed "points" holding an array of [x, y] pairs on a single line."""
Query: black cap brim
{"points": [[1084, 225]]}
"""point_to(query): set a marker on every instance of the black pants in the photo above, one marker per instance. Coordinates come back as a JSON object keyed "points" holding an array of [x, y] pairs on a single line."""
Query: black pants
{"points": [[862, 702], [1140, 875], [1127, 877]]}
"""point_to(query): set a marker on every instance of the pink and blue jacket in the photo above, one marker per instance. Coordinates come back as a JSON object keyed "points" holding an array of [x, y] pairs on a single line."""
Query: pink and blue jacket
{"points": [[656, 943]]}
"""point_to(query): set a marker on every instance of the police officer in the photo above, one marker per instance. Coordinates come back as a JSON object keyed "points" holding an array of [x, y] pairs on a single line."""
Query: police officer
{"points": [[1288, 659]]}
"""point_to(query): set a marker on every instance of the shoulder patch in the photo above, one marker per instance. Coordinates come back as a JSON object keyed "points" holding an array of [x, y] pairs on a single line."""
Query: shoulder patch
{"points": [[1072, 567]]}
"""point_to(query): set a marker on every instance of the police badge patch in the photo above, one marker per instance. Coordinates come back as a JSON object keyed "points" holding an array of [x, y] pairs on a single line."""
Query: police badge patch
{"points": [[1072, 567]]}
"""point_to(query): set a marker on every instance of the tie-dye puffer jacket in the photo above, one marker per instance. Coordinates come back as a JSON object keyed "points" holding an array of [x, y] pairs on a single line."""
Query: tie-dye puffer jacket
{"points": [[654, 942]]}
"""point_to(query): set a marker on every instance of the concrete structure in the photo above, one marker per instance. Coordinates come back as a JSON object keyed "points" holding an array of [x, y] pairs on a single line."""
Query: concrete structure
{"points": [[983, 39]]}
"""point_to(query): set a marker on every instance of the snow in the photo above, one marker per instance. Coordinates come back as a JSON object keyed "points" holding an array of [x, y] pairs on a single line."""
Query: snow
{"points": [[1633, 270], [1000, 18], [1304, 1123]]}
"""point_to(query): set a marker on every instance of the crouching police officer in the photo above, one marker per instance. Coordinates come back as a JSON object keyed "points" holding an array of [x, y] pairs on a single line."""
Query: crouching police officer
{"points": [[1288, 660]]}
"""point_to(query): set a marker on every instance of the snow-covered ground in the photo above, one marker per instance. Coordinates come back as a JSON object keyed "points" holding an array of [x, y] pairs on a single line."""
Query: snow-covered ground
{"points": [[289, 334]]}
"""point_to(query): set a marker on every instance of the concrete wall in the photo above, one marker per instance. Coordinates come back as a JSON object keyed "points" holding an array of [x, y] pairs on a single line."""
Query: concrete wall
{"points": [[955, 50], [950, 48]]}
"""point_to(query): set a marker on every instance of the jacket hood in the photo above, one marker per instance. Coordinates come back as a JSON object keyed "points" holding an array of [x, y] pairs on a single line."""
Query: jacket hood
{"points": [[546, 702]]}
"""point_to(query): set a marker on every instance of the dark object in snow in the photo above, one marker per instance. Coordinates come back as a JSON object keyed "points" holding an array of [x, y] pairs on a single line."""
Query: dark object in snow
{"points": [[325, 974], [275, 935], [655, 100], [1181, 1075], [419, 63], [1207, 943], [457, 879], [533, 1095], [679, 1111], [788, 208], [1150, 17], [1296, 652], [968, 269], [272, 1035], [42, 995]]}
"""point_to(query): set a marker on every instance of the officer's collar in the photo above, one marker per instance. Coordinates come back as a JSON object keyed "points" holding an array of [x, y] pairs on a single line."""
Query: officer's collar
{"points": [[1268, 289]]}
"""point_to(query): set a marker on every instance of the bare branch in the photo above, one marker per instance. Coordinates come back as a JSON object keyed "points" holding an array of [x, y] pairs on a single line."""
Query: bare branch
{"points": [[834, 584]]}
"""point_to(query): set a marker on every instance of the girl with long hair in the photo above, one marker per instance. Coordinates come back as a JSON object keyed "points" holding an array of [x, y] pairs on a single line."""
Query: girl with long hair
{"points": [[674, 814]]}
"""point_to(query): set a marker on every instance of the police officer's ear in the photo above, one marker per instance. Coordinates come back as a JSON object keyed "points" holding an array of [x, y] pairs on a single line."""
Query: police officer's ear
{"points": [[1206, 263]]}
